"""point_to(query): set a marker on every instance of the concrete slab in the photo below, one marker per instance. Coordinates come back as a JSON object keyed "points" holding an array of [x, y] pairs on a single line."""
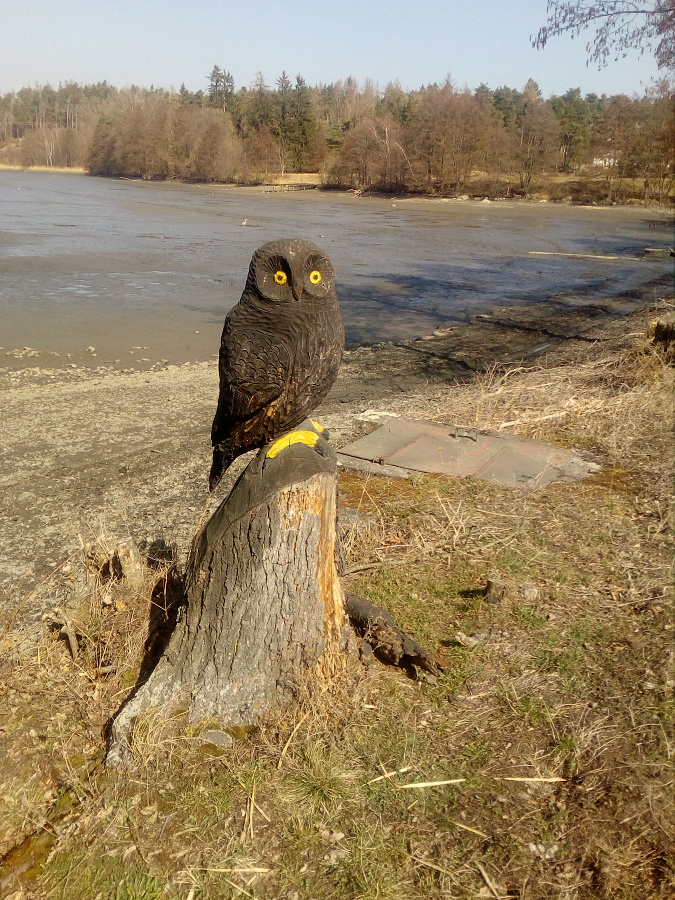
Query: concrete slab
{"points": [[443, 455], [527, 466], [452, 450]]}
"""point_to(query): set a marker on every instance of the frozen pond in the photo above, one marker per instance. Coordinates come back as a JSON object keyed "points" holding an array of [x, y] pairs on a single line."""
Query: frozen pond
{"points": [[144, 271]]}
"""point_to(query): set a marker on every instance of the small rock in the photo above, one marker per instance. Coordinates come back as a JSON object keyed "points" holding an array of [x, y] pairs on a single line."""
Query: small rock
{"points": [[218, 738], [366, 654], [334, 857], [374, 415], [542, 851], [350, 518], [529, 592], [466, 640]]}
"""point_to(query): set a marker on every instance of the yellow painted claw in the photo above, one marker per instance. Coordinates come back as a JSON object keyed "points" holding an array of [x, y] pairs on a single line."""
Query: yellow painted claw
{"points": [[319, 427], [295, 437]]}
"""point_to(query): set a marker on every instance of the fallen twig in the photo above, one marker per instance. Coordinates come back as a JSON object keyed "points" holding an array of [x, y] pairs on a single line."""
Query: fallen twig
{"points": [[488, 880], [58, 619], [389, 774], [468, 828], [429, 865], [290, 738], [239, 870], [546, 780], [426, 784], [579, 255]]}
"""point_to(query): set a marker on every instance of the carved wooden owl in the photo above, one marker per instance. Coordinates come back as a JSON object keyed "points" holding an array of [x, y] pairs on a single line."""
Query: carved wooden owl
{"points": [[280, 350]]}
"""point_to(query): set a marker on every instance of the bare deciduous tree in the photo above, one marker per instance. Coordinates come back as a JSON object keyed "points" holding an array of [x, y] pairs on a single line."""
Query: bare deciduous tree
{"points": [[621, 25]]}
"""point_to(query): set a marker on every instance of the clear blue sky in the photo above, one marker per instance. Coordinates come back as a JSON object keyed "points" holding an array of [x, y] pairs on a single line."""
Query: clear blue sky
{"points": [[169, 42]]}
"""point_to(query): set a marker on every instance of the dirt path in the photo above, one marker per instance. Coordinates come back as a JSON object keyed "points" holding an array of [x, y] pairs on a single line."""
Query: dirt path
{"points": [[123, 454]]}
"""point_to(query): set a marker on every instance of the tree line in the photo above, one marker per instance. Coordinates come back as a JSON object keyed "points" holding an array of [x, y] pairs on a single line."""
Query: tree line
{"points": [[435, 140]]}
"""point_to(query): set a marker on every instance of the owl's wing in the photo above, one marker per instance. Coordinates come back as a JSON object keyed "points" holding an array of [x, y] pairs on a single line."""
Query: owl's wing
{"points": [[253, 373]]}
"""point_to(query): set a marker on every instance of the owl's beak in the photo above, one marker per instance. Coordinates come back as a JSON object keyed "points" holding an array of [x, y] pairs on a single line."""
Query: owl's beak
{"points": [[296, 289]]}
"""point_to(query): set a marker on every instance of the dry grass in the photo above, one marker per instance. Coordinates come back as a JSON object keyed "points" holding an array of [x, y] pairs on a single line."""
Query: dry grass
{"points": [[554, 720], [63, 169]]}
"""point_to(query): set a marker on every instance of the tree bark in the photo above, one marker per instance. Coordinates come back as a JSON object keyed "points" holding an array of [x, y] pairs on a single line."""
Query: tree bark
{"points": [[265, 613]]}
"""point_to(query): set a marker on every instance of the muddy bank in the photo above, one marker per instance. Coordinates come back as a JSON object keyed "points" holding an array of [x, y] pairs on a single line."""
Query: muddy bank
{"points": [[503, 335], [88, 454]]}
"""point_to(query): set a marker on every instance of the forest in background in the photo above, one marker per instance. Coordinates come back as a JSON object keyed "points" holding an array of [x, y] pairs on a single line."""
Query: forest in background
{"points": [[437, 140]]}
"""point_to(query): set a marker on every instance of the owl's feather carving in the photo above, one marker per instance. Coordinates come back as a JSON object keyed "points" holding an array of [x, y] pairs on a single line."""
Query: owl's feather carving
{"points": [[280, 349]]}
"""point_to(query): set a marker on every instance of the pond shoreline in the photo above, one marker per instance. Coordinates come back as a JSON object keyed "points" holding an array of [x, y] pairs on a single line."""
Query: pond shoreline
{"points": [[456, 350], [331, 191]]}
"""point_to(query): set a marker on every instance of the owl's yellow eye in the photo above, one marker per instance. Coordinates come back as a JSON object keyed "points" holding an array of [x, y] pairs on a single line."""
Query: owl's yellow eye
{"points": [[315, 276], [280, 277]]}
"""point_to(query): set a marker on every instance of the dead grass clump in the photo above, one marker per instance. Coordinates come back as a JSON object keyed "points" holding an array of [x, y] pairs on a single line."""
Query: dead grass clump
{"points": [[61, 692], [613, 402]]}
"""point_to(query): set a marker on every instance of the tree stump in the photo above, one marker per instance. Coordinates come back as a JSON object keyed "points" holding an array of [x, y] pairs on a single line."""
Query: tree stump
{"points": [[662, 333], [265, 612]]}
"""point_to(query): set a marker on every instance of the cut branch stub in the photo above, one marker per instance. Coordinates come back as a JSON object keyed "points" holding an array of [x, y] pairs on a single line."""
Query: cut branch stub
{"points": [[662, 334], [390, 643], [264, 617]]}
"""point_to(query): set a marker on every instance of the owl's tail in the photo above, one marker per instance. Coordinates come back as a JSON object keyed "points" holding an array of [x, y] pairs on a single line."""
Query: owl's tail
{"points": [[221, 462]]}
